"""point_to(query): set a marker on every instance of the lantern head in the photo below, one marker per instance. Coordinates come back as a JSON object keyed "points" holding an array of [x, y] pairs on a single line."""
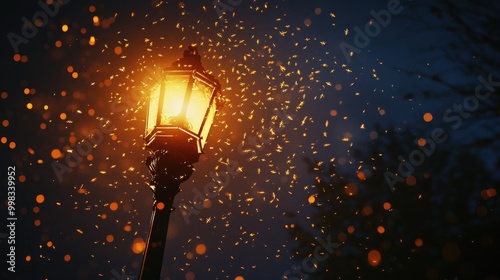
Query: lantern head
{"points": [[182, 107]]}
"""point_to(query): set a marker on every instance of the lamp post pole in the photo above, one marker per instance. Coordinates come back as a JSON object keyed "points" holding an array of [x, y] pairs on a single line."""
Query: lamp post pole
{"points": [[176, 134], [169, 170]]}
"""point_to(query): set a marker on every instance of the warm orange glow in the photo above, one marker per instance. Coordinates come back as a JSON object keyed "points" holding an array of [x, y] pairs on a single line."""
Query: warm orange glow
{"points": [[367, 210], [37, 223], [110, 238], [56, 153], [333, 113], [28, 258], [380, 229], [127, 228], [22, 179], [63, 116], [92, 9], [12, 145], [4, 95], [3, 140], [411, 180], [189, 255], [138, 246], [67, 258], [58, 44], [74, 75], [311, 199], [5, 123], [36, 209], [419, 242], [201, 249], [351, 229], [70, 69], [17, 57], [374, 257], [387, 205], [113, 206], [428, 117], [40, 198], [160, 206], [29, 106], [64, 28], [422, 142], [118, 50], [351, 189], [239, 278], [92, 40]]}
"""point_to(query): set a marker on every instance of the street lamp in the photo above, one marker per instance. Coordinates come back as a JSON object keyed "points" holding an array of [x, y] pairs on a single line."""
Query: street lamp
{"points": [[181, 111]]}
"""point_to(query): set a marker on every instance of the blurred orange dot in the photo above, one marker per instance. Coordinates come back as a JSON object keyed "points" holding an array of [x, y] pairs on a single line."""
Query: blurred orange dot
{"points": [[411, 180], [17, 57], [239, 278], [74, 75], [36, 209], [118, 50], [189, 255], [110, 238], [367, 210], [43, 126], [63, 116], [49, 244], [311, 199], [56, 153], [138, 246], [29, 106], [113, 206], [22, 178], [37, 223], [201, 249], [491, 192], [374, 257], [387, 205], [127, 228], [64, 28], [70, 69], [67, 258], [5, 123], [333, 113], [24, 59], [91, 112], [351, 189], [380, 229], [58, 44], [92, 9], [28, 258], [422, 142], [419, 242], [160, 206], [4, 95], [351, 229], [40, 198], [427, 117], [90, 157], [12, 145], [4, 140]]}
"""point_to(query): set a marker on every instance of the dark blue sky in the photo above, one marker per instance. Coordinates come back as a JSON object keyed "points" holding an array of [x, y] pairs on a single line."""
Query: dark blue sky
{"points": [[282, 56]]}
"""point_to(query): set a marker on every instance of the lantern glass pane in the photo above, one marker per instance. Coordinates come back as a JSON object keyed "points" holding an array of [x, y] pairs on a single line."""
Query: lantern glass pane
{"points": [[208, 124], [198, 104], [175, 89], [153, 109]]}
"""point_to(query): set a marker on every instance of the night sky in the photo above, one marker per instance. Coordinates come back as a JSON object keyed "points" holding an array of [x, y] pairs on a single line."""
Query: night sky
{"points": [[87, 70]]}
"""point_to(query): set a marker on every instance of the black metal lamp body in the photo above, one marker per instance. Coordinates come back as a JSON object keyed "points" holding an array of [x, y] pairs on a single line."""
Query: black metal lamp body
{"points": [[181, 111]]}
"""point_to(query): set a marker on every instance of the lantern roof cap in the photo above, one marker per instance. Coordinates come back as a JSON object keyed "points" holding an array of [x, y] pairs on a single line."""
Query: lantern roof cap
{"points": [[191, 59]]}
